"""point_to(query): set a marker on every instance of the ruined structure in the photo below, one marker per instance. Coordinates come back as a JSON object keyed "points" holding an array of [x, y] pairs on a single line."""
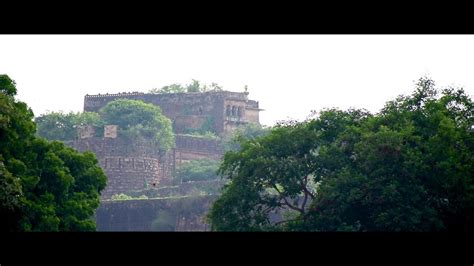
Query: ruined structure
{"points": [[218, 111], [133, 165]]}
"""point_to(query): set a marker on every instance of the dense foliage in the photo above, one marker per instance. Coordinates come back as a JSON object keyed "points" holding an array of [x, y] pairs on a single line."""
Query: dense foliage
{"points": [[197, 170], [408, 168], [139, 120], [243, 132], [44, 186], [136, 120], [61, 126]]}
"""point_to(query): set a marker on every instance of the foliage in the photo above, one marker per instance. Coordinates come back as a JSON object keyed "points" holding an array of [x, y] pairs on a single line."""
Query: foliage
{"points": [[194, 188], [139, 120], [44, 186], [204, 135], [61, 126], [194, 86], [408, 168], [243, 132], [122, 196], [61, 188], [197, 170], [207, 130]]}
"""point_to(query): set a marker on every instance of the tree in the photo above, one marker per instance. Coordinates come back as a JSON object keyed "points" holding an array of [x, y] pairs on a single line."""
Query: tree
{"points": [[197, 170], [266, 174], [408, 168], [173, 88], [139, 120], [61, 188], [245, 131], [44, 186], [60, 126], [194, 86], [16, 131]]}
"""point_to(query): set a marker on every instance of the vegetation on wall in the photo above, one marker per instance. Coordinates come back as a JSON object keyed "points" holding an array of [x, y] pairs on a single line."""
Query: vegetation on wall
{"points": [[122, 196], [44, 186], [207, 130], [407, 168], [197, 170], [135, 119], [61, 126], [139, 120], [194, 86], [244, 132]]}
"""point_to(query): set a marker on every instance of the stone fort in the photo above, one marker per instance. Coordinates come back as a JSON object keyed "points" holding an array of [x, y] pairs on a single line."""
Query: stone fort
{"points": [[131, 166]]}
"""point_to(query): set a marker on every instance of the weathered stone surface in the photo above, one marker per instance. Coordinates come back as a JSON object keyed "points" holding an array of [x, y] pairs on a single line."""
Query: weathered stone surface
{"points": [[173, 214], [85, 132], [110, 131], [191, 109], [134, 165], [129, 165]]}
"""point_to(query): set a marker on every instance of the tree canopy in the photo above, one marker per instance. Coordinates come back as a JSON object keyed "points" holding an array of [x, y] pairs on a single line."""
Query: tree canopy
{"points": [[243, 132], [61, 126], [197, 170], [139, 120], [407, 168], [194, 86], [44, 186]]}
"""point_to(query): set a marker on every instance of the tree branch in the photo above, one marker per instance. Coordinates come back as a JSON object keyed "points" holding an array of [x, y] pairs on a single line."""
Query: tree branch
{"points": [[286, 201], [305, 188]]}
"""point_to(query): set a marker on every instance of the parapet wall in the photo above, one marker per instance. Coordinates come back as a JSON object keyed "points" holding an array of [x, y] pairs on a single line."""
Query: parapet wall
{"points": [[211, 105], [193, 148], [198, 144]]}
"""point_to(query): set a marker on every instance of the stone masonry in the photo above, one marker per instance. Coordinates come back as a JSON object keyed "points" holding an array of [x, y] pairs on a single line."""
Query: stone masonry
{"points": [[131, 165], [225, 110]]}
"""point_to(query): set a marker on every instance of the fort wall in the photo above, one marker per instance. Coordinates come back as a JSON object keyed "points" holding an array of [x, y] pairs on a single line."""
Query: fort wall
{"points": [[172, 214], [217, 106]]}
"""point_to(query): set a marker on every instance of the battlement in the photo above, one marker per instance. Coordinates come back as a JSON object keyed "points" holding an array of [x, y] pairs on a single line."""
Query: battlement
{"points": [[188, 111], [120, 94]]}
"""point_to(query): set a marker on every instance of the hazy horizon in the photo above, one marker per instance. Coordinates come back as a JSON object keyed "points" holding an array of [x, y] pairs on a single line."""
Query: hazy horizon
{"points": [[289, 75]]}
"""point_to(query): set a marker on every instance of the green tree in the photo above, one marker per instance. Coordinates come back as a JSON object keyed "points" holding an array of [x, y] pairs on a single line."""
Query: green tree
{"points": [[408, 168], [197, 170], [194, 86], [61, 188], [139, 120], [267, 174], [61, 126], [243, 132], [44, 186], [16, 131], [173, 88]]}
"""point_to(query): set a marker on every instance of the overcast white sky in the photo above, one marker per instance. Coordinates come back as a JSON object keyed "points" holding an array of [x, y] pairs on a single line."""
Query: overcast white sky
{"points": [[289, 75]]}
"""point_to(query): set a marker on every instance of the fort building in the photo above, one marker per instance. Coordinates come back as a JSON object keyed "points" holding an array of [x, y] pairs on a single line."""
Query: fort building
{"points": [[134, 165], [219, 111]]}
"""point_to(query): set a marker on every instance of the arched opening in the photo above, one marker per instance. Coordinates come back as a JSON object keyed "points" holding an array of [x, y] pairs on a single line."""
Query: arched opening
{"points": [[239, 112]]}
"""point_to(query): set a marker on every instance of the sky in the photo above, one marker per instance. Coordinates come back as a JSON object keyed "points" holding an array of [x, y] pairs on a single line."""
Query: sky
{"points": [[290, 75]]}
